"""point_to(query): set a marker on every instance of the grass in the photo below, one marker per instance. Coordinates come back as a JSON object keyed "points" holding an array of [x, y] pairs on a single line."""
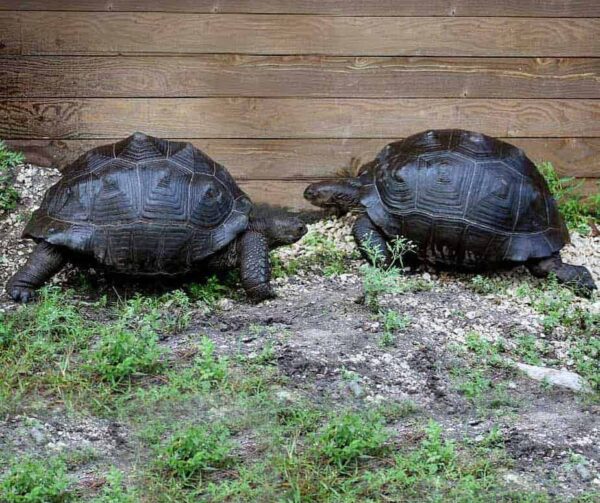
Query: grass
{"points": [[379, 280], [318, 252], [114, 491], [31, 480], [9, 196], [194, 451], [576, 209], [393, 322], [560, 312]]}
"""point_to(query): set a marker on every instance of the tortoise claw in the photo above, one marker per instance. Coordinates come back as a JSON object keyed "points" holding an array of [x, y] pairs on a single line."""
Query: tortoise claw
{"points": [[263, 292], [21, 294]]}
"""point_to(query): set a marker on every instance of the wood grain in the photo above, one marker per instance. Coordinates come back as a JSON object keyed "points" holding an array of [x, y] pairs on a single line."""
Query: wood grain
{"points": [[288, 193], [299, 159], [28, 33], [293, 118], [301, 76], [545, 8]]}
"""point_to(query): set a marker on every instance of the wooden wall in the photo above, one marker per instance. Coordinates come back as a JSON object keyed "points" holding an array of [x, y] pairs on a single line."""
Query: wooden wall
{"points": [[287, 91]]}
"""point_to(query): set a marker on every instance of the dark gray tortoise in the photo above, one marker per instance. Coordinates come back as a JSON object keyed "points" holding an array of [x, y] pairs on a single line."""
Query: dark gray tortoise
{"points": [[150, 207], [466, 200]]}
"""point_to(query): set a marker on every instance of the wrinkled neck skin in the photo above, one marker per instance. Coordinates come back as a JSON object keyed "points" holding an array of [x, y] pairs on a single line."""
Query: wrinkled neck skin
{"points": [[262, 225], [341, 195], [348, 197]]}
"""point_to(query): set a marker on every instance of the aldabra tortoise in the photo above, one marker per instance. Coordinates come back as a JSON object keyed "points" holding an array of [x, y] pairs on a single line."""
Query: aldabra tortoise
{"points": [[147, 206], [466, 200]]}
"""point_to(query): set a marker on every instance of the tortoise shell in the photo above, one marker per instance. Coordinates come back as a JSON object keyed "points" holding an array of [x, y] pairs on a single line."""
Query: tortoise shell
{"points": [[142, 205], [463, 198]]}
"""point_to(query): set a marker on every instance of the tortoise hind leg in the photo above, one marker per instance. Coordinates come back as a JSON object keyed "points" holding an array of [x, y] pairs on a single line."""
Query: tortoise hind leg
{"points": [[43, 263], [371, 242], [574, 276]]}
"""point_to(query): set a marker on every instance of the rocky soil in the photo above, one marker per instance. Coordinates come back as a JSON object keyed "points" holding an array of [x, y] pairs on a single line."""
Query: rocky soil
{"points": [[329, 345]]}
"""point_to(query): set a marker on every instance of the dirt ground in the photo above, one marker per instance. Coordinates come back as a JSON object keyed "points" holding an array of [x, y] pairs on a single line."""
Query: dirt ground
{"points": [[328, 344]]}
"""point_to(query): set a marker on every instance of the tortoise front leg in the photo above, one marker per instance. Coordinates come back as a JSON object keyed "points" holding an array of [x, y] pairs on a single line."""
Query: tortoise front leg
{"points": [[43, 263], [255, 266], [371, 242], [574, 276]]}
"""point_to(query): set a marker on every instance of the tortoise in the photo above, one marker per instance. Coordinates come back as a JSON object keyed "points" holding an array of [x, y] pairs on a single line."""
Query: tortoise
{"points": [[146, 206], [466, 200]]}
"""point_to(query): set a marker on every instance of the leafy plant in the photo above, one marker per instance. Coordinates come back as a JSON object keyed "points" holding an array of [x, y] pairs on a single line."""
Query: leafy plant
{"points": [[576, 209], [122, 354], [114, 490], [195, 450], [346, 439], [9, 196], [35, 481], [393, 322], [209, 292], [383, 278]]}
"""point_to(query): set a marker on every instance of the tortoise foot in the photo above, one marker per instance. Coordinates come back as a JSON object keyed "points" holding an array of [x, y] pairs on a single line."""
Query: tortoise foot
{"points": [[260, 293], [21, 294]]}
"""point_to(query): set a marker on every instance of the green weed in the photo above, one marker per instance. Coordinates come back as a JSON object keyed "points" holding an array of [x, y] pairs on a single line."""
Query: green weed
{"points": [[122, 354], [114, 491], [388, 279], [345, 440], [576, 209], [36, 481], [209, 292], [9, 196], [392, 322], [194, 451]]}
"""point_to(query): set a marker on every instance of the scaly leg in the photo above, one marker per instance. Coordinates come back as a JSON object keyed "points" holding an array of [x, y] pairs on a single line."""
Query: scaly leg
{"points": [[574, 276], [255, 266], [43, 263], [371, 242]]}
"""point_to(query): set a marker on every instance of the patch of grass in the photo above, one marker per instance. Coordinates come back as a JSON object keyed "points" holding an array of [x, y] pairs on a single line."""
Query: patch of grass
{"points": [[586, 354], [346, 439], [209, 292], [37, 344], [168, 313], [558, 306], [32, 480], [576, 209], [392, 322], [114, 491], [388, 279], [122, 354], [9, 196], [395, 411], [195, 451], [474, 377], [530, 349], [318, 252], [485, 285]]}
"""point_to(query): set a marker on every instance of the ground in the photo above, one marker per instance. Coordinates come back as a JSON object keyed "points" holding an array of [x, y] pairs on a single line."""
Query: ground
{"points": [[352, 385]]}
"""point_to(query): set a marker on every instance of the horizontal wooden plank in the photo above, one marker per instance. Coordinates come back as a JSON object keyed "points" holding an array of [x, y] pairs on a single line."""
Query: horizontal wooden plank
{"points": [[293, 117], [27, 33], [288, 193], [549, 8], [296, 159], [304, 76]]}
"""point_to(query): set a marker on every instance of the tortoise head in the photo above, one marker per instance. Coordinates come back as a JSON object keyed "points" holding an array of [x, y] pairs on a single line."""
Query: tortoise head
{"points": [[342, 194], [279, 226]]}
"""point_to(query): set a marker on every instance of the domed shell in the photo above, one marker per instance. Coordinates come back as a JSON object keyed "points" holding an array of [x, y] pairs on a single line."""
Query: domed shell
{"points": [[463, 198], [143, 205]]}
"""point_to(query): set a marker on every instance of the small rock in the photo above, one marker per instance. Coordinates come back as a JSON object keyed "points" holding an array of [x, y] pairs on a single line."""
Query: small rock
{"points": [[37, 436], [563, 378], [225, 304], [356, 389], [583, 472]]}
